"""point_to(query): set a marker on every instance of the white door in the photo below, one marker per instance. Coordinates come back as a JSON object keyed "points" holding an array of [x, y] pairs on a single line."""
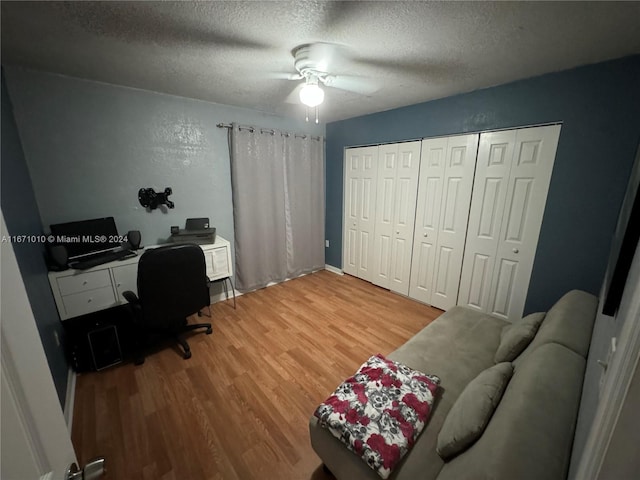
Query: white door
{"points": [[361, 167], [495, 153], [512, 180], [444, 194], [427, 218], [385, 198], [35, 439], [534, 156], [404, 215], [398, 166], [454, 215]]}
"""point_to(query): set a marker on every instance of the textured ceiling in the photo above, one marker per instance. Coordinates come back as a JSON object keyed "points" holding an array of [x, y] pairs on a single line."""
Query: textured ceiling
{"points": [[231, 52]]}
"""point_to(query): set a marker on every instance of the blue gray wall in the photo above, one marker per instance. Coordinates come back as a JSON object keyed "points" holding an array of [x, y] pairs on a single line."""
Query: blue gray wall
{"points": [[599, 107], [22, 217], [91, 146]]}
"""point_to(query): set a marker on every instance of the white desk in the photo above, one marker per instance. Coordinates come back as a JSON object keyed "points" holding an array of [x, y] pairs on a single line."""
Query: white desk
{"points": [[78, 292]]}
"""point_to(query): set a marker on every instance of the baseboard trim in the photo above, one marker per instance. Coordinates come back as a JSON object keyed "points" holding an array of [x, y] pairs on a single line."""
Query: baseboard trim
{"points": [[70, 398], [221, 297], [332, 269]]}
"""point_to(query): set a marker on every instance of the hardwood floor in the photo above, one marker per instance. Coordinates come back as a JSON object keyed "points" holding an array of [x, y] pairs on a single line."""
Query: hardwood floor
{"points": [[239, 408]]}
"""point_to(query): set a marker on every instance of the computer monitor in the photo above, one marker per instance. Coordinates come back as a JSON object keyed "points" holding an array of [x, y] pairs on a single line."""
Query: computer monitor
{"points": [[86, 237]]}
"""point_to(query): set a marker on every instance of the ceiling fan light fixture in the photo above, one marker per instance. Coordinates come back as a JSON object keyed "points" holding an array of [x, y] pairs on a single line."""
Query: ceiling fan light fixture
{"points": [[311, 95]]}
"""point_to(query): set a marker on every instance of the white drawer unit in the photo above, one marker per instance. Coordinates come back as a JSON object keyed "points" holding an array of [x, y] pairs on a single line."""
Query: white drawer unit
{"points": [[218, 261], [89, 301], [78, 292], [125, 278], [84, 281]]}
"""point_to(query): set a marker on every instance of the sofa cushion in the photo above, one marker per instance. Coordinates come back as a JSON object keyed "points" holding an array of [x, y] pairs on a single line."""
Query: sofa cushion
{"points": [[472, 411], [515, 338], [569, 322], [531, 432]]}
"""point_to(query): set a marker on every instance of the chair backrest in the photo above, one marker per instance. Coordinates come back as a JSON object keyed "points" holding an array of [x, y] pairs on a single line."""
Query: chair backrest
{"points": [[172, 283]]}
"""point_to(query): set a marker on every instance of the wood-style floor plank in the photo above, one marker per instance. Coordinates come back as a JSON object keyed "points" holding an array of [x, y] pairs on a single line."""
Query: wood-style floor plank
{"points": [[239, 408]]}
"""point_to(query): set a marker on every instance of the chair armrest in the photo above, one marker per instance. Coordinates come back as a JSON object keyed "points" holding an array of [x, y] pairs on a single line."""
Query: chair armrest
{"points": [[131, 297]]}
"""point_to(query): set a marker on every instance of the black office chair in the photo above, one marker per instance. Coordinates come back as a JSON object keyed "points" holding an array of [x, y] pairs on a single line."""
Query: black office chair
{"points": [[172, 284]]}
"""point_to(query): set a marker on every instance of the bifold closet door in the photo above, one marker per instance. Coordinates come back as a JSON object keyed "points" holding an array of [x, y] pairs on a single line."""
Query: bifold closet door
{"points": [[361, 169], [512, 180], [398, 166], [444, 193]]}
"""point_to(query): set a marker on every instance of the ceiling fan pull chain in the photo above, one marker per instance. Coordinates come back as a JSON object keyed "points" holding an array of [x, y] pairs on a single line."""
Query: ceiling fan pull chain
{"points": [[317, 121], [306, 113]]}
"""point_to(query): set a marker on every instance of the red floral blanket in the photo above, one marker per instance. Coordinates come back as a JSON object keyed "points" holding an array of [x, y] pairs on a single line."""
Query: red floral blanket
{"points": [[380, 411]]}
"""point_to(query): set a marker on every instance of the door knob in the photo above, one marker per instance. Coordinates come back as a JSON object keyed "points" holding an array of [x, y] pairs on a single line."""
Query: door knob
{"points": [[398, 232], [425, 235], [91, 471], [515, 250]]}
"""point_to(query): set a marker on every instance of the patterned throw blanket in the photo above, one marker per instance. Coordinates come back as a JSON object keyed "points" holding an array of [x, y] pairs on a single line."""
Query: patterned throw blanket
{"points": [[380, 411]]}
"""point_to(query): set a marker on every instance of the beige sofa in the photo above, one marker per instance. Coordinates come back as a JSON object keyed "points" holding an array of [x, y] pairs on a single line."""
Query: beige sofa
{"points": [[530, 434]]}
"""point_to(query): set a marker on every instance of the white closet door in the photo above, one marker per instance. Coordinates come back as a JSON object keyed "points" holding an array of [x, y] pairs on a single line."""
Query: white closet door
{"points": [[485, 219], [385, 198], [509, 194], [361, 167], [454, 214], [404, 215], [534, 156], [425, 238]]}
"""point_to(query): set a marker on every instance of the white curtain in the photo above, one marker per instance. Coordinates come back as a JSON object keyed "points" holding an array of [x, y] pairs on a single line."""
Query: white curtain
{"points": [[278, 205]]}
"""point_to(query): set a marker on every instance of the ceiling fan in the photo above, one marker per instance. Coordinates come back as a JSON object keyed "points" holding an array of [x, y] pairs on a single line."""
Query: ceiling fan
{"points": [[314, 63]]}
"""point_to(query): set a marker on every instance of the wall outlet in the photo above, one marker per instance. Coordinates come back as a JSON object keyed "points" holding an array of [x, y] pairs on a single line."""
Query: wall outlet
{"points": [[326, 243]]}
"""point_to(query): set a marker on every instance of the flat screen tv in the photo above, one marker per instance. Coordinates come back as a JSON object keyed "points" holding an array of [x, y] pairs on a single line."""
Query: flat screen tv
{"points": [[86, 237]]}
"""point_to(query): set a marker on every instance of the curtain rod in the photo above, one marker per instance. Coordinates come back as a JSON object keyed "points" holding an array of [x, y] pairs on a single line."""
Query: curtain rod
{"points": [[251, 128]]}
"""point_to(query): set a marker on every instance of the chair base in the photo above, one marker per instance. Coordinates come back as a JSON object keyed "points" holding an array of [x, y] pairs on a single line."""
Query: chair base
{"points": [[176, 336]]}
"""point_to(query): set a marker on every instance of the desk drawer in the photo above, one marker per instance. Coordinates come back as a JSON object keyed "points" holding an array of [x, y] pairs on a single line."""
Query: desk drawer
{"points": [[89, 301], [83, 282], [217, 263]]}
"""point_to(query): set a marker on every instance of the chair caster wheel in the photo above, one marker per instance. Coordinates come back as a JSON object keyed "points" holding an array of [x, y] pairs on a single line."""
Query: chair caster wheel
{"points": [[186, 355], [209, 331]]}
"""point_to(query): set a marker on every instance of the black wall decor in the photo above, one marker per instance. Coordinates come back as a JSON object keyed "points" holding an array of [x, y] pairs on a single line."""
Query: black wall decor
{"points": [[151, 199], [623, 264]]}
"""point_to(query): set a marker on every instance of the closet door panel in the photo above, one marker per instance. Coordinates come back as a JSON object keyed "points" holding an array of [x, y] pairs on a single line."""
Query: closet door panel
{"points": [[495, 154], [382, 245], [406, 185], [456, 197], [430, 185], [407, 172], [366, 224], [534, 156], [359, 197], [353, 161]]}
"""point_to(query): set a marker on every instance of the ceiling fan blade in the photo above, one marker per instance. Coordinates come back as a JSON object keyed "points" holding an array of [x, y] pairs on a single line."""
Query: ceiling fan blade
{"points": [[283, 76], [352, 83]]}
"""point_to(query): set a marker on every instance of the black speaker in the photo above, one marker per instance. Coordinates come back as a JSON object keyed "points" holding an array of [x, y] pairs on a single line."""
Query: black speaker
{"points": [[58, 257], [133, 238]]}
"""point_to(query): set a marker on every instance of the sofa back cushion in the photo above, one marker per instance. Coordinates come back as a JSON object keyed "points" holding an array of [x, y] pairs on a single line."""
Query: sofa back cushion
{"points": [[531, 432], [569, 322]]}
